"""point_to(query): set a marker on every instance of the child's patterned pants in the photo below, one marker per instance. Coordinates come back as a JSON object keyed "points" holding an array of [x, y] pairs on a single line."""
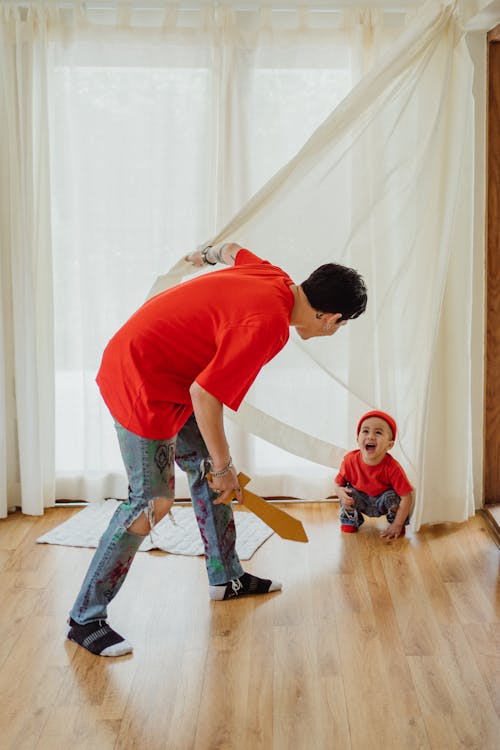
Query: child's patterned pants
{"points": [[386, 504]]}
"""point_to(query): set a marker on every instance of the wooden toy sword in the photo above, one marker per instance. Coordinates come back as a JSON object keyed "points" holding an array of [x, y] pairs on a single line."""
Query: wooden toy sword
{"points": [[282, 523]]}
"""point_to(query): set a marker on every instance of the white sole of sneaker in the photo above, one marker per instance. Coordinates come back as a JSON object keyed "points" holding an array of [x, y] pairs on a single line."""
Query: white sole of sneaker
{"points": [[216, 593]]}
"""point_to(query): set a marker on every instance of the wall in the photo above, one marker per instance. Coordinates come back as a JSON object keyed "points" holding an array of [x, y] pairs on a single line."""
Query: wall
{"points": [[476, 42]]}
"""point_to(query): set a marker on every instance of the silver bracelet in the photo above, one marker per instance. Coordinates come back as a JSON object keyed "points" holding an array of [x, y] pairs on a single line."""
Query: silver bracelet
{"points": [[222, 472], [204, 256]]}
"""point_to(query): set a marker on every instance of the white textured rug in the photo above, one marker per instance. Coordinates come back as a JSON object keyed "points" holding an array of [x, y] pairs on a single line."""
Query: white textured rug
{"points": [[180, 537]]}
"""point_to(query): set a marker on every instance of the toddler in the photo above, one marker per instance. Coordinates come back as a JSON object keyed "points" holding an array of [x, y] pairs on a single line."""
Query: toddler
{"points": [[371, 482]]}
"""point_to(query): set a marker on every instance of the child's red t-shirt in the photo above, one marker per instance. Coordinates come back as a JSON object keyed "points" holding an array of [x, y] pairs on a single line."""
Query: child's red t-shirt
{"points": [[218, 329], [373, 480]]}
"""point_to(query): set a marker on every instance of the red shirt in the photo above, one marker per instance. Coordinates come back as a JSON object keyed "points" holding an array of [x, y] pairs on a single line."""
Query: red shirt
{"points": [[218, 329], [373, 480]]}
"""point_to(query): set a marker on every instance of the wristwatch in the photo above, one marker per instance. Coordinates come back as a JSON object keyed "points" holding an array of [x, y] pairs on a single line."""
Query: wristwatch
{"points": [[204, 256]]}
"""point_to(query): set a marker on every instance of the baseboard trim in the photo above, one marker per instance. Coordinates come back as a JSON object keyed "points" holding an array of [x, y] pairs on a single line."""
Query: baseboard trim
{"points": [[492, 515]]}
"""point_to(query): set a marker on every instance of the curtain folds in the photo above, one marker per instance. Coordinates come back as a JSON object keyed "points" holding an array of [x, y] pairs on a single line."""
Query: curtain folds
{"points": [[26, 339], [306, 138], [401, 141]]}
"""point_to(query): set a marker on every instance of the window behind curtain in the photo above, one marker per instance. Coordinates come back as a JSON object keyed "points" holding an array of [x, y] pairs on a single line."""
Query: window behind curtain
{"points": [[152, 144]]}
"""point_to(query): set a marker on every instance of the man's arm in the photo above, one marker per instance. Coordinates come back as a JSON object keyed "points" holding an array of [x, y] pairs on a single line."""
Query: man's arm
{"points": [[209, 415], [210, 255]]}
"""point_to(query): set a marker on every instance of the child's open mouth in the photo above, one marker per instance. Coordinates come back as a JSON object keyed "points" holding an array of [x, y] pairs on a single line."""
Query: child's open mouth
{"points": [[370, 447]]}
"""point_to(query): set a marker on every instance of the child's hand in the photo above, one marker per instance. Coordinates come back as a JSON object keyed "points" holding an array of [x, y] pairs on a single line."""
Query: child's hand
{"points": [[392, 531], [344, 494]]}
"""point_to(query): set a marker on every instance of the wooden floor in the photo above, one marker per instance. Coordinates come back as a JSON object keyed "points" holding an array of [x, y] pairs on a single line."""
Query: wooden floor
{"points": [[370, 645]]}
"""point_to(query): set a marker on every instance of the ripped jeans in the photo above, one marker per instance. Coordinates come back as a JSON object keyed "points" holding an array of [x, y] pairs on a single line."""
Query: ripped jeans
{"points": [[150, 471]]}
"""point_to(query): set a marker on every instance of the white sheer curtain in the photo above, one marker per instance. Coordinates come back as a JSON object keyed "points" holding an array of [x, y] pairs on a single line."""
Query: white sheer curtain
{"points": [[163, 124], [26, 311], [170, 132], [386, 184]]}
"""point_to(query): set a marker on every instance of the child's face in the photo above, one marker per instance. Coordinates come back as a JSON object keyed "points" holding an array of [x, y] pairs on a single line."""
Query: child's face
{"points": [[374, 440]]}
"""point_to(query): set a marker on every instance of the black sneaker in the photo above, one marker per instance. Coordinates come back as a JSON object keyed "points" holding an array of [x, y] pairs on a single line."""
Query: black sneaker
{"points": [[98, 638], [247, 585]]}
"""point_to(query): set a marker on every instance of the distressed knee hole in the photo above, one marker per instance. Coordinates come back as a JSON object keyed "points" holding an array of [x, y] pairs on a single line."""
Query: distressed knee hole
{"points": [[157, 508]]}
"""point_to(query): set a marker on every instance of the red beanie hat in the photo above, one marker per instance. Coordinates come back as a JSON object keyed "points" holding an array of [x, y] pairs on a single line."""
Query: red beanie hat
{"points": [[386, 417]]}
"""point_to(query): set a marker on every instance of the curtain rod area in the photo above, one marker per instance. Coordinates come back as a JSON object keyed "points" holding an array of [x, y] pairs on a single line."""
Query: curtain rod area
{"points": [[285, 5]]}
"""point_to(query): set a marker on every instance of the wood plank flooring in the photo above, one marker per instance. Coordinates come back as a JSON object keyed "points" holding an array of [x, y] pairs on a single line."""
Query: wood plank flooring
{"points": [[370, 645]]}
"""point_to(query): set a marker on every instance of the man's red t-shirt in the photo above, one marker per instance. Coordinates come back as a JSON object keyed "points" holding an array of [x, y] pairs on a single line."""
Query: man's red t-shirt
{"points": [[218, 329], [373, 480]]}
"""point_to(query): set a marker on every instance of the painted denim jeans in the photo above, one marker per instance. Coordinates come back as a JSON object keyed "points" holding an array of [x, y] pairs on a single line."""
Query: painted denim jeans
{"points": [[150, 471]]}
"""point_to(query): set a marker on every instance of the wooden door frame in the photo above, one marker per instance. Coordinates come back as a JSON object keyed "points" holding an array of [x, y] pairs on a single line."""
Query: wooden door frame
{"points": [[491, 473]]}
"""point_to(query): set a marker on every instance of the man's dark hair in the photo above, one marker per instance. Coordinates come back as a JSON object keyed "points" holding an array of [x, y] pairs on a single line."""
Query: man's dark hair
{"points": [[333, 288]]}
